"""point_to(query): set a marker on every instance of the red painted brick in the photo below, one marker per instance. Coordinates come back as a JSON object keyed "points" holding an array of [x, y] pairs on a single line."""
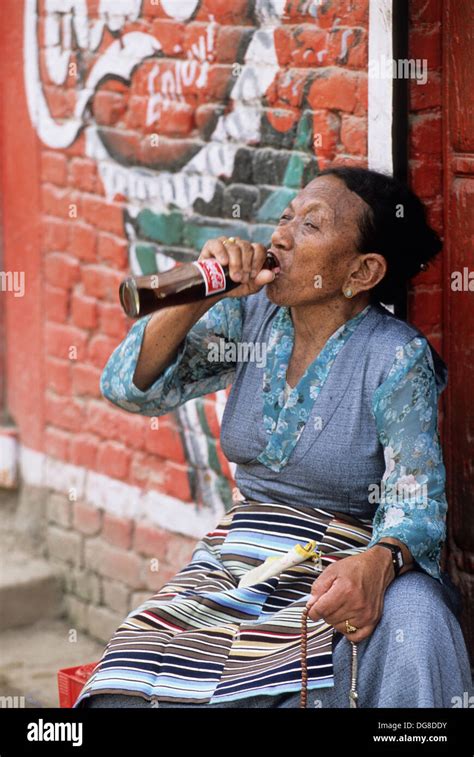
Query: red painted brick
{"points": [[86, 518], [113, 321], [228, 40], [84, 311], [217, 84], [350, 160], [53, 167], [56, 443], [100, 349], [176, 120], [63, 412], [83, 174], [108, 107], [78, 147], [86, 380], [59, 202], [177, 481], [61, 270], [287, 89], [61, 339], [151, 541], [326, 128], [283, 119], [354, 134], [83, 244], [61, 101], [309, 47], [335, 89], [84, 450], [164, 441], [348, 47], [153, 9], [237, 12], [118, 531], [109, 422], [58, 375], [140, 469], [56, 304], [347, 12], [101, 282], [112, 250], [157, 473], [113, 460], [102, 214], [362, 96], [54, 234], [170, 33]]}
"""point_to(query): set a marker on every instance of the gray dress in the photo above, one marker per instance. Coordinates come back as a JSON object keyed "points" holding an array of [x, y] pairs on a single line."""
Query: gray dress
{"points": [[416, 656]]}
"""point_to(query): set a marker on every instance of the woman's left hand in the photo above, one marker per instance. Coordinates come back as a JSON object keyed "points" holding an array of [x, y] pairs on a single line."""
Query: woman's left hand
{"points": [[352, 589]]}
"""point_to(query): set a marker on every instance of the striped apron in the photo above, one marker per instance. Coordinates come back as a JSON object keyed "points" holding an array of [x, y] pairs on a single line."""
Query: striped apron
{"points": [[201, 639]]}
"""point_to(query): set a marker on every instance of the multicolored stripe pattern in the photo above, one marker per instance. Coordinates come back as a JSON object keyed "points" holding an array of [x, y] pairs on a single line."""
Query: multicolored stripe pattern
{"points": [[200, 639]]}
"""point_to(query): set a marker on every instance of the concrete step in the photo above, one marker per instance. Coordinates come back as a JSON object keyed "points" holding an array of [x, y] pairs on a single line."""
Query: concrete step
{"points": [[29, 589], [31, 657]]}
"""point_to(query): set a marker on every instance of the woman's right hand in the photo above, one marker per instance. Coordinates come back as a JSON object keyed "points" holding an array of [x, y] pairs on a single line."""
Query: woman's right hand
{"points": [[245, 260]]}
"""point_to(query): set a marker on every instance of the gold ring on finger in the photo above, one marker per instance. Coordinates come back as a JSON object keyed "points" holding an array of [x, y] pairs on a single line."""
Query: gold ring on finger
{"points": [[349, 628], [232, 240]]}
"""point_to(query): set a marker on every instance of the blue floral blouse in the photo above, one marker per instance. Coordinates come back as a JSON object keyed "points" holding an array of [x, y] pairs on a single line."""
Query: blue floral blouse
{"points": [[411, 497]]}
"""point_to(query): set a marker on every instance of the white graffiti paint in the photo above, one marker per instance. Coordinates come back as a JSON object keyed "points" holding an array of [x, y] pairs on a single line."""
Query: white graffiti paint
{"points": [[180, 10]]}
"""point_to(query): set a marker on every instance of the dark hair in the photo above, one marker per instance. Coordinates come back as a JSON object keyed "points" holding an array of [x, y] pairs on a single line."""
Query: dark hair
{"points": [[395, 226]]}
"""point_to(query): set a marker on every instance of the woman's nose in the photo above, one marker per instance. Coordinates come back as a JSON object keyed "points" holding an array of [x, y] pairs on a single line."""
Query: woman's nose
{"points": [[281, 238]]}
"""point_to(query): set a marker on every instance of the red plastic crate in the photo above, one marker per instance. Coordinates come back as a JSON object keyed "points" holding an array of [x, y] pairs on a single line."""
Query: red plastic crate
{"points": [[71, 682]]}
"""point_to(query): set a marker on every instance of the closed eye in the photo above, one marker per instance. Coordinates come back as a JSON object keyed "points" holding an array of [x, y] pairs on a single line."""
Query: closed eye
{"points": [[312, 225]]}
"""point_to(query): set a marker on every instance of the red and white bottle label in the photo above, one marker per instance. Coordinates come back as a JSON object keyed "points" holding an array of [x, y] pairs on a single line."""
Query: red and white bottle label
{"points": [[213, 275]]}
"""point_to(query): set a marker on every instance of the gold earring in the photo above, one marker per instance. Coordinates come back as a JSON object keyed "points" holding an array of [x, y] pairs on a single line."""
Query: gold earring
{"points": [[348, 293]]}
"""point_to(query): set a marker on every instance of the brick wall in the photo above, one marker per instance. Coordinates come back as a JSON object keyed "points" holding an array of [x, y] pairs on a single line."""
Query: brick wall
{"points": [[159, 128]]}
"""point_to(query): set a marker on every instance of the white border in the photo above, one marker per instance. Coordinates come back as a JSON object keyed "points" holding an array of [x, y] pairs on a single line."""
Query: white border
{"points": [[380, 89]]}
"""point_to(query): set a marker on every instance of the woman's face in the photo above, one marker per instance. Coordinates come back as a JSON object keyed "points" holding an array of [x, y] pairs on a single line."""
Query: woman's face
{"points": [[316, 243]]}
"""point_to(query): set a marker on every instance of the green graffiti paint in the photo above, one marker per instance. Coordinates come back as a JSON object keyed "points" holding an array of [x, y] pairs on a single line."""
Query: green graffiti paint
{"points": [[161, 227], [146, 257], [195, 234], [275, 204]]}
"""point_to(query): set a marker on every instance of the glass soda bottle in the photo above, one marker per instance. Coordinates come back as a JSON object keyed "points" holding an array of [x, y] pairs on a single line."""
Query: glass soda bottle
{"points": [[190, 282]]}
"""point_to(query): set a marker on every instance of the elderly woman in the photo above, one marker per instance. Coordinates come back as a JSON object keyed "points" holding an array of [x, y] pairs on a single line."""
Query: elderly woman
{"points": [[335, 442]]}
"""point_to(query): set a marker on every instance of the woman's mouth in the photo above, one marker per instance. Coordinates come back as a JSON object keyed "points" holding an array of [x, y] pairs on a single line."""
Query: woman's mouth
{"points": [[278, 267]]}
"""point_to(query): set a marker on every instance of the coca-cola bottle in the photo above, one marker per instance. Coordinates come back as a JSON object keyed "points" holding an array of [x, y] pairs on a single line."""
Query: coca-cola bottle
{"points": [[190, 282]]}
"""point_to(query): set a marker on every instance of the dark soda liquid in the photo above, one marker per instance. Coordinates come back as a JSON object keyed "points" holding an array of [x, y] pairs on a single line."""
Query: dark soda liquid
{"points": [[141, 295]]}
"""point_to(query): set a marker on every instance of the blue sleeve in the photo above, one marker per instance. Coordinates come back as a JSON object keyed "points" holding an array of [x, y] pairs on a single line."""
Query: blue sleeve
{"points": [[412, 504], [201, 365]]}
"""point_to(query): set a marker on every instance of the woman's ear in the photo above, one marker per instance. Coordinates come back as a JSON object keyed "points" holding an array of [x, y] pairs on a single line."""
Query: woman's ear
{"points": [[369, 272]]}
